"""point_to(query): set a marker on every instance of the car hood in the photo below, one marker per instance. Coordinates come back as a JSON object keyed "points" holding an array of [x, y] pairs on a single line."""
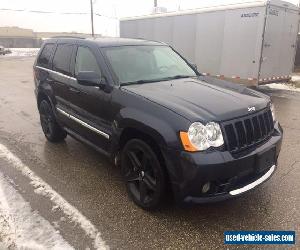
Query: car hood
{"points": [[202, 99]]}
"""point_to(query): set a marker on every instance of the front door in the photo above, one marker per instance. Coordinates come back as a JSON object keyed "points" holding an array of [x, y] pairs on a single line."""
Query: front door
{"points": [[90, 103]]}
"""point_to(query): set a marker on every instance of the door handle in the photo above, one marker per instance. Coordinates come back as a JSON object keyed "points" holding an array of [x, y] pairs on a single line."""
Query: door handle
{"points": [[76, 91]]}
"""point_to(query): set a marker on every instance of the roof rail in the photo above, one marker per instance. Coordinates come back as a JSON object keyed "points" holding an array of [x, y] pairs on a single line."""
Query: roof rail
{"points": [[77, 37], [139, 38]]}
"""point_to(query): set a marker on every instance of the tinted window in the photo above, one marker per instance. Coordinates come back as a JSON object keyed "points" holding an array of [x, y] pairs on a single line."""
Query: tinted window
{"points": [[86, 61], [44, 58], [62, 58]]}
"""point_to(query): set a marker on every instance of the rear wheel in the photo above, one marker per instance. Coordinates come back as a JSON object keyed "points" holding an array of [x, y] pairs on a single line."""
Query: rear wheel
{"points": [[51, 129], [143, 173]]}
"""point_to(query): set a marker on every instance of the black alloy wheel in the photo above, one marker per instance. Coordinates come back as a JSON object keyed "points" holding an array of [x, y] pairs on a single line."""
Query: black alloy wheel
{"points": [[143, 173], [51, 129]]}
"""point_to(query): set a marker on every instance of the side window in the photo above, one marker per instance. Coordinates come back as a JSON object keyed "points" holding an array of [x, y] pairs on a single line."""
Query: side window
{"points": [[62, 58], [44, 57], [86, 61]]}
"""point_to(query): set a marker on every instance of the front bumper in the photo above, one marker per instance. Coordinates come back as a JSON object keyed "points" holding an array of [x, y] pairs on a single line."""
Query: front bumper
{"points": [[229, 175]]}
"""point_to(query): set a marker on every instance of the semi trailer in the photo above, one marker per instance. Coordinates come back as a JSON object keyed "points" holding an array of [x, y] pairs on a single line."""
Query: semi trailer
{"points": [[251, 42]]}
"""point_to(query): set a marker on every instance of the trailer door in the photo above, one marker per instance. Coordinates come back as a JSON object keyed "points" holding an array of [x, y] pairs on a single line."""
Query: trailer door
{"points": [[288, 49], [279, 44]]}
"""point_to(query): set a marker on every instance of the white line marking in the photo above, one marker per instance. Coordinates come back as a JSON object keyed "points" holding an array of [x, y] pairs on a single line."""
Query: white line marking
{"points": [[42, 188], [22, 228]]}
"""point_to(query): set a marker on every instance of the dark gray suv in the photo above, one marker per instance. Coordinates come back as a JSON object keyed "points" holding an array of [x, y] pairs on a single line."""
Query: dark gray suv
{"points": [[172, 130]]}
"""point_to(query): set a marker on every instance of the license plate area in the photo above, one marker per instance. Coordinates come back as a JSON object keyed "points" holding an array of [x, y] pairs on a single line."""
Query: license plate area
{"points": [[265, 160]]}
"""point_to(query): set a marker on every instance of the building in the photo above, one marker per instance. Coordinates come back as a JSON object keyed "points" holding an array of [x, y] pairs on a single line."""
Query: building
{"points": [[15, 37]]}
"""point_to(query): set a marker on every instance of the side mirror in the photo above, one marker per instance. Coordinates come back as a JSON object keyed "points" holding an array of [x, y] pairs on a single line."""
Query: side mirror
{"points": [[89, 78], [194, 66]]}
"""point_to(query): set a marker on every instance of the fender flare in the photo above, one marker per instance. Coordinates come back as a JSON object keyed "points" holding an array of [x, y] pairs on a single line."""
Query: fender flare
{"points": [[158, 129], [45, 91]]}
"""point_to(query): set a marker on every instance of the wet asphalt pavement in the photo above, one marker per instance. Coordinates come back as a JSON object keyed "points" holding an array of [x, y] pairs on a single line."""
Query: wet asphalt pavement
{"points": [[94, 186]]}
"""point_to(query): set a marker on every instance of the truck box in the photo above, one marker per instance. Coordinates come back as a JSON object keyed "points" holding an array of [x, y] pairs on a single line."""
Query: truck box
{"points": [[252, 42]]}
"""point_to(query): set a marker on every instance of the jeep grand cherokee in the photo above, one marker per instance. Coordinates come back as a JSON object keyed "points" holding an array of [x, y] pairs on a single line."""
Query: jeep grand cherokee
{"points": [[171, 129]]}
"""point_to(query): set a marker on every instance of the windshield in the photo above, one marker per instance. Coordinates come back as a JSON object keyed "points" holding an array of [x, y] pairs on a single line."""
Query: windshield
{"points": [[138, 64]]}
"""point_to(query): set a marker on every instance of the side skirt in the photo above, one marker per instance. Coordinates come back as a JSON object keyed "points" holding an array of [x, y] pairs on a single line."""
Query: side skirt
{"points": [[87, 142]]}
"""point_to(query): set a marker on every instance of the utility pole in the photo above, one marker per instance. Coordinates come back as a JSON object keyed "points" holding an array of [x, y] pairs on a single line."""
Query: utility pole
{"points": [[155, 3], [92, 18]]}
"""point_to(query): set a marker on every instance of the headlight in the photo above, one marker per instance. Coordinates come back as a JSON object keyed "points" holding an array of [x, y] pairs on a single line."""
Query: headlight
{"points": [[201, 137], [273, 112]]}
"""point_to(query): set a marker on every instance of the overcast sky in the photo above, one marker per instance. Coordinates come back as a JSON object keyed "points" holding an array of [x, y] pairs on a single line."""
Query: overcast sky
{"points": [[112, 9]]}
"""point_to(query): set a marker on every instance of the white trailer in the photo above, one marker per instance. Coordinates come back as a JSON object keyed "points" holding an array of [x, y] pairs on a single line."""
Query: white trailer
{"points": [[253, 41]]}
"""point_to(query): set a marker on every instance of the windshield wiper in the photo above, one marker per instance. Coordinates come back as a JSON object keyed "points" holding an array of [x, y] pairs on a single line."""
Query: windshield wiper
{"points": [[137, 82], [178, 77], [156, 80]]}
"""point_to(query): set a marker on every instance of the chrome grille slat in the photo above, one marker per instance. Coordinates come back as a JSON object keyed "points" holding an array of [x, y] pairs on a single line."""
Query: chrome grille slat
{"points": [[242, 133]]}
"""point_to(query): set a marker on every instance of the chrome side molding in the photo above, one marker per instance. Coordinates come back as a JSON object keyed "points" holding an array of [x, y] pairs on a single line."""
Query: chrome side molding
{"points": [[255, 183], [57, 73], [82, 123]]}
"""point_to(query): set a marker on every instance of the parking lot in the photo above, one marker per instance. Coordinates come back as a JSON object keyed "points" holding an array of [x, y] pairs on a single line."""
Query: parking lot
{"points": [[93, 187]]}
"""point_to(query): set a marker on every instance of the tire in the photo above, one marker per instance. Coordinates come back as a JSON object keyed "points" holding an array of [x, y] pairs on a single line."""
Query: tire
{"points": [[52, 131], [144, 175]]}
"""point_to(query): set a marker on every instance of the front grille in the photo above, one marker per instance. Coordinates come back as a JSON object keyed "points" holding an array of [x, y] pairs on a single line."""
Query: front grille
{"points": [[248, 131]]}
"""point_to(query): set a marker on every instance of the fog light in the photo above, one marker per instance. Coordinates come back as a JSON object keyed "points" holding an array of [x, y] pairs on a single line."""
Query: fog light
{"points": [[206, 187]]}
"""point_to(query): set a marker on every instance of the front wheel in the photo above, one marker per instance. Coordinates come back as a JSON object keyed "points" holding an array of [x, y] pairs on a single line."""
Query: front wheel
{"points": [[51, 129], [143, 173]]}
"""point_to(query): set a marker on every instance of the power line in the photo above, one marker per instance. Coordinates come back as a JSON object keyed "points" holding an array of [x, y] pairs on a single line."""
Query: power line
{"points": [[55, 12]]}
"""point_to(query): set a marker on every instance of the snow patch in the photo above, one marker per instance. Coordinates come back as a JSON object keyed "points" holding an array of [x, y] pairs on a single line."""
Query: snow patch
{"points": [[22, 228], [280, 86], [42, 188], [295, 78], [22, 52]]}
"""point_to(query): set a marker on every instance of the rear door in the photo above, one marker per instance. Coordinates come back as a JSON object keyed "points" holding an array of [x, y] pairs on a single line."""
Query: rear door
{"points": [[42, 65], [60, 80], [279, 42]]}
